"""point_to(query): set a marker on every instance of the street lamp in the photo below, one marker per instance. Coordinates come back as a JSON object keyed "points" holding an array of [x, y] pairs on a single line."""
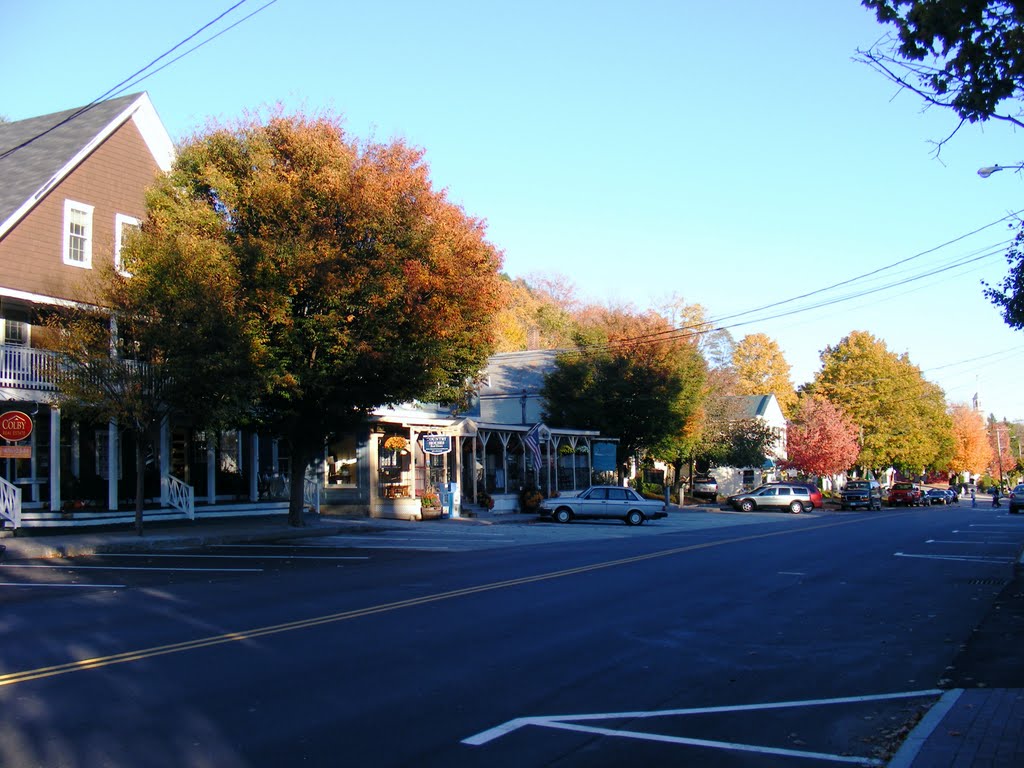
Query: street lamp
{"points": [[988, 170]]}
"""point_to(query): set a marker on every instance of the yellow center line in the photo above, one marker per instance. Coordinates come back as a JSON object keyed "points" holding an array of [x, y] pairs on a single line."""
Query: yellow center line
{"points": [[13, 678]]}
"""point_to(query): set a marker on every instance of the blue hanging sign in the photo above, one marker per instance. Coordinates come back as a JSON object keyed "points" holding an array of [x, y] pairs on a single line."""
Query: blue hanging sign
{"points": [[603, 457], [437, 444]]}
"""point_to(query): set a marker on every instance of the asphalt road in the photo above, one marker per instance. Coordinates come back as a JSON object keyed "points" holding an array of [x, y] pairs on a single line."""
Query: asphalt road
{"points": [[732, 640]]}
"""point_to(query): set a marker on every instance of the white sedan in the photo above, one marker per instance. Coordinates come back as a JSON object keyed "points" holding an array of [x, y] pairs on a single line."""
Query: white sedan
{"points": [[603, 502]]}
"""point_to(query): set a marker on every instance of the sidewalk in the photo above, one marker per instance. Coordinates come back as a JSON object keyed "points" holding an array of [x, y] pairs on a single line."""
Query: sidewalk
{"points": [[55, 542], [979, 723]]}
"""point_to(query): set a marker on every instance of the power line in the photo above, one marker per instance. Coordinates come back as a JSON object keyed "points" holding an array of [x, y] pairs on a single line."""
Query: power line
{"points": [[130, 81]]}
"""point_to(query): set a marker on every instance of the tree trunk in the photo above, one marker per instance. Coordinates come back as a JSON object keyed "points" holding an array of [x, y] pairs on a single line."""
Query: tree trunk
{"points": [[140, 480], [301, 457]]}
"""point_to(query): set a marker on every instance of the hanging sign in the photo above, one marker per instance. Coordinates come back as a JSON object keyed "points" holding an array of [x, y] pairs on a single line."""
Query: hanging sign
{"points": [[437, 444], [15, 451], [15, 426]]}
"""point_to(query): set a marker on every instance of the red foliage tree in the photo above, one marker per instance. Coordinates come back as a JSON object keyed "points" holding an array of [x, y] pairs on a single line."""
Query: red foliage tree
{"points": [[820, 439]]}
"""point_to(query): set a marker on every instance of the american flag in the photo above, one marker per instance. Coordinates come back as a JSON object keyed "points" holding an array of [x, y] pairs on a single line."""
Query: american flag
{"points": [[532, 443]]}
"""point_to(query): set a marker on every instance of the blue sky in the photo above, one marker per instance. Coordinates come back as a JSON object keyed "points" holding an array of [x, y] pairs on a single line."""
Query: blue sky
{"points": [[732, 154]]}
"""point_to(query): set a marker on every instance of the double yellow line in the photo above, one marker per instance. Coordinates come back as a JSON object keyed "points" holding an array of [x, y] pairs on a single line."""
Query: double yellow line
{"points": [[13, 678]]}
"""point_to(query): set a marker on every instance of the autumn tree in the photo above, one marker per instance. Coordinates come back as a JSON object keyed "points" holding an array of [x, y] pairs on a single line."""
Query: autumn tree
{"points": [[901, 416], [628, 378], [691, 323], [356, 284], [820, 439], [971, 449], [761, 369], [535, 313]]}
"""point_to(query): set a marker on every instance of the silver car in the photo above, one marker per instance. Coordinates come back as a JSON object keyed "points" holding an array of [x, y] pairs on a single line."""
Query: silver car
{"points": [[1016, 499], [603, 502], [795, 498]]}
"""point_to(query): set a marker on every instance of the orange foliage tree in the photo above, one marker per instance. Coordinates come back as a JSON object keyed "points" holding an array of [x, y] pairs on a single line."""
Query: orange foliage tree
{"points": [[358, 284], [972, 451]]}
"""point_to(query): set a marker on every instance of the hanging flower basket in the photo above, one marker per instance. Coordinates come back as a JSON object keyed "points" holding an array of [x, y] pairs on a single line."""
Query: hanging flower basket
{"points": [[395, 443], [566, 450]]}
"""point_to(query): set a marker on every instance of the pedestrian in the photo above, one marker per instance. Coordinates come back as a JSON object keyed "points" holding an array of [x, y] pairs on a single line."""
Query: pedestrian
{"points": [[995, 496], [974, 501]]}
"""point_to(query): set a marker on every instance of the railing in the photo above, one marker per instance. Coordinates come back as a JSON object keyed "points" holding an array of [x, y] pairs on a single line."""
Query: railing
{"points": [[28, 368], [180, 495], [10, 503], [311, 493]]}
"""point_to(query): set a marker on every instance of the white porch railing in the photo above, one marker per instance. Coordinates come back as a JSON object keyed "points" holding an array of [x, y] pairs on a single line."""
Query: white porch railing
{"points": [[27, 368], [180, 495], [10, 503], [311, 493]]}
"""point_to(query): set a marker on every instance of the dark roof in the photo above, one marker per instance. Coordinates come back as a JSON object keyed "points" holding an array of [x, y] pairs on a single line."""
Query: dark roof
{"points": [[34, 151]]}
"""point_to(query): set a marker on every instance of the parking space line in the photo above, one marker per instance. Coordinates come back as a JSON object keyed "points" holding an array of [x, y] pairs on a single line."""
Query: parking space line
{"points": [[573, 723], [238, 557], [963, 558], [127, 568], [59, 584]]}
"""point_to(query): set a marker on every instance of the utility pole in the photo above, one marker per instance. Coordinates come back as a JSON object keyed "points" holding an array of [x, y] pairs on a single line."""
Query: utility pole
{"points": [[999, 453]]}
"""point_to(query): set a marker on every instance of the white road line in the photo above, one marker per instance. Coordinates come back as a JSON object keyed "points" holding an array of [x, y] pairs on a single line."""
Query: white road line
{"points": [[791, 573], [570, 722], [239, 557], [963, 558], [985, 543], [60, 584], [128, 568]]}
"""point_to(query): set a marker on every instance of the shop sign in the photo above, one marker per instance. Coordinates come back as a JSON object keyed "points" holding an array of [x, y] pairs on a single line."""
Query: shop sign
{"points": [[15, 451], [15, 426], [437, 444], [603, 457]]}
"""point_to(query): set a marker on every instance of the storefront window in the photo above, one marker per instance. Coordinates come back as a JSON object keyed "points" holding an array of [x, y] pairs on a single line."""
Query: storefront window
{"points": [[342, 463]]}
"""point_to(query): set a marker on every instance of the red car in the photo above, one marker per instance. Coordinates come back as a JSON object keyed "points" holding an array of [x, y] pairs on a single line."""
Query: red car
{"points": [[905, 494]]}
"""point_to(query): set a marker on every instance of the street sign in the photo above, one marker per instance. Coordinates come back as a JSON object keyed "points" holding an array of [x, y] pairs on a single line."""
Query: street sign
{"points": [[15, 426]]}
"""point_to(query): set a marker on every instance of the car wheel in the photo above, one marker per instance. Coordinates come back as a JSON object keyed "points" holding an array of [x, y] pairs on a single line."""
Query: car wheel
{"points": [[796, 507], [635, 517], [563, 515], [747, 505]]}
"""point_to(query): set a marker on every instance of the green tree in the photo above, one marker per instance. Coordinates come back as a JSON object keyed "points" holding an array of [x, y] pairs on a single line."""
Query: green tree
{"points": [[901, 416], [354, 282], [629, 378], [761, 369], [964, 56]]}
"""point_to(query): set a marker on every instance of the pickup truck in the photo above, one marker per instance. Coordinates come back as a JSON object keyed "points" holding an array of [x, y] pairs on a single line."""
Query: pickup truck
{"points": [[861, 493], [905, 494]]}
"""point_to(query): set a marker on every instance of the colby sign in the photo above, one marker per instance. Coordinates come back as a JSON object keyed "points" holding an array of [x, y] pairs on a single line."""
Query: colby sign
{"points": [[15, 426]]}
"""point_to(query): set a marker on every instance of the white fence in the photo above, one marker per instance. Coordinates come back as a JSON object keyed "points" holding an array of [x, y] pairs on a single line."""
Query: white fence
{"points": [[10, 503], [180, 495]]}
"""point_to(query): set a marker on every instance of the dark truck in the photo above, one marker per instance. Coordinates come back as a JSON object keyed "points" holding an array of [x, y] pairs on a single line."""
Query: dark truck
{"points": [[861, 493]]}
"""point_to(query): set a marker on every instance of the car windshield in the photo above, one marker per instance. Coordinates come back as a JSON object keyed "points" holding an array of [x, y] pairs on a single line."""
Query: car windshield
{"points": [[903, 487], [857, 486]]}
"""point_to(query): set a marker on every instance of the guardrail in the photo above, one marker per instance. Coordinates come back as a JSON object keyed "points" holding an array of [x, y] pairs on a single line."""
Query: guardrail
{"points": [[180, 495], [10, 503]]}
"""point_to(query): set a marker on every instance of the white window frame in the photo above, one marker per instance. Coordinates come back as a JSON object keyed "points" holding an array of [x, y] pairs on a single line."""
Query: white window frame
{"points": [[24, 331], [121, 221], [86, 262]]}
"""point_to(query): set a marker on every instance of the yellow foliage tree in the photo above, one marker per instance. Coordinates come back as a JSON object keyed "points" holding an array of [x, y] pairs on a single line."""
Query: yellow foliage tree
{"points": [[972, 451]]}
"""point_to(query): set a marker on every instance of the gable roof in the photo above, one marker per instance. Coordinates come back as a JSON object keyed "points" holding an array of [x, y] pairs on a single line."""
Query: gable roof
{"points": [[510, 373], [753, 406], [37, 153]]}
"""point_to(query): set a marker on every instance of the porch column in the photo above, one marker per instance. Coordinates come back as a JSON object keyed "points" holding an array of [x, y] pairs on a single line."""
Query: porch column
{"points": [[211, 467], [413, 436], [164, 449], [55, 499], [254, 467], [474, 446], [113, 453]]}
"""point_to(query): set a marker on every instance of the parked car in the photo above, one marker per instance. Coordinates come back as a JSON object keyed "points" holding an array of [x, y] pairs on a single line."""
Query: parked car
{"points": [[705, 487], [1016, 499], [817, 500], [776, 496], [861, 493], [603, 502], [936, 496], [905, 494]]}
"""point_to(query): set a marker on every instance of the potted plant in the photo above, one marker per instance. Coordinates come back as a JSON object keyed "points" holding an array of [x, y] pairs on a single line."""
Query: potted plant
{"points": [[529, 500], [395, 443], [485, 500]]}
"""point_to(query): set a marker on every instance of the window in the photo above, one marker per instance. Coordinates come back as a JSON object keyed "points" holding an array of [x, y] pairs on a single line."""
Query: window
{"points": [[77, 234], [783, 491], [15, 332], [123, 226]]}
